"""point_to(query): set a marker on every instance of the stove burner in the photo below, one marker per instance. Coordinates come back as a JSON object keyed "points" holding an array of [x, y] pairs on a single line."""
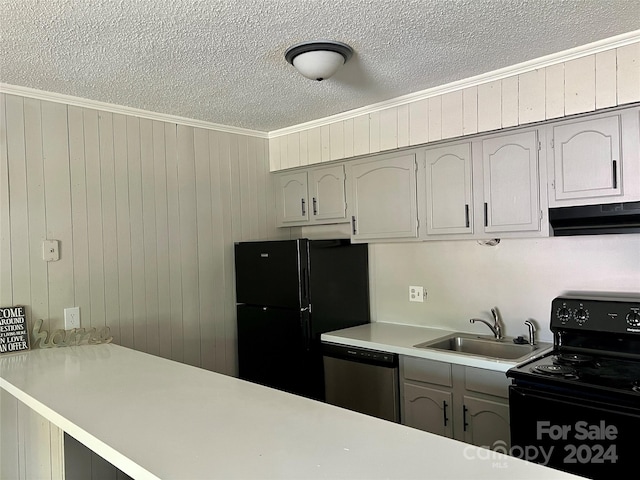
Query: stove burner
{"points": [[573, 358], [555, 370]]}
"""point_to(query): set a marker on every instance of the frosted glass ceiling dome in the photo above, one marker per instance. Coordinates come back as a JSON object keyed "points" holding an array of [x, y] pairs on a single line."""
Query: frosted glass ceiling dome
{"points": [[318, 60]]}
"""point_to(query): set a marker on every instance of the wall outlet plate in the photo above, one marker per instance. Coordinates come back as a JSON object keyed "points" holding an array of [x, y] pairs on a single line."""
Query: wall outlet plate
{"points": [[71, 318], [416, 294]]}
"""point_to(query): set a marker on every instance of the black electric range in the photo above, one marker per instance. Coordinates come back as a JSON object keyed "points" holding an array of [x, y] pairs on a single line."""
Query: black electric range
{"points": [[577, 407]]}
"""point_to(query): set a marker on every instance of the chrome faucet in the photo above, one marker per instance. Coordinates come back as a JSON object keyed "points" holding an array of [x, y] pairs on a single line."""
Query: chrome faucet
{"points": [[496, 328], [532, 329]]}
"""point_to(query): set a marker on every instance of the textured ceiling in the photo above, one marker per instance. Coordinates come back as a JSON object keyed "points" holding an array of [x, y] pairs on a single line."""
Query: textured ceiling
{"points": [[223, 61]]}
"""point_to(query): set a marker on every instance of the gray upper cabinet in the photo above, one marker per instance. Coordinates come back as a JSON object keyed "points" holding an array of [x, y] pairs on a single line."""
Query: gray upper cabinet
{"points": [[315, 196], [510, 182], [382, 197], [448, 192], [594, 160], [586, 157], [327, 190], [292, 198]]}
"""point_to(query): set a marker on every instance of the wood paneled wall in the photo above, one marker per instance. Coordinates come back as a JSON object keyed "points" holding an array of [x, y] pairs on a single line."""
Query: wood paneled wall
{"points": [[606, 79], [146, 213]]}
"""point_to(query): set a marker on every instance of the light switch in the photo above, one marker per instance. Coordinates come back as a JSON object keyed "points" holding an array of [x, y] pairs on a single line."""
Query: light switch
{"points": [[50, 250]]}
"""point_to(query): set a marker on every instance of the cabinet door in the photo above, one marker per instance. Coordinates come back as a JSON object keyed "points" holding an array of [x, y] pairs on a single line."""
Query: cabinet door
{"points": [[428, 409], [586, 160], [486, 423], [510, 172], [383, 198], [327, 192], [292, 198], [448, 189]]}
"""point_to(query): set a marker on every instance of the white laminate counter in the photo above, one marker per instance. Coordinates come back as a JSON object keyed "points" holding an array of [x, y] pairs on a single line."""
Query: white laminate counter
{"points": [[397, 338], [159, 419]]}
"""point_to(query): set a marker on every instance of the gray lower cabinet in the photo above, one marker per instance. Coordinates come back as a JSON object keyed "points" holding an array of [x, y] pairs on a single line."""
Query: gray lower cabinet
{"points": [[465, 403]]}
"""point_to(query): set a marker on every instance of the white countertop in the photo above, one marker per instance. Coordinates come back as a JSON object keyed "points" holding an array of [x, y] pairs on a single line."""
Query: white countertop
{"points": [[397, 338], [158, 419]]}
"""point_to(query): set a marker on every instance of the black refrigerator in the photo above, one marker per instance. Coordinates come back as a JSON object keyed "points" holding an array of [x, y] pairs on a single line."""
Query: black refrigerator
{"points": [[289, 292]]}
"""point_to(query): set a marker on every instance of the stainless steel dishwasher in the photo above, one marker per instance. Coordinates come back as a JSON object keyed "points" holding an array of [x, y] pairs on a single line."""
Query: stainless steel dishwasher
{"points": [[362, 380]]}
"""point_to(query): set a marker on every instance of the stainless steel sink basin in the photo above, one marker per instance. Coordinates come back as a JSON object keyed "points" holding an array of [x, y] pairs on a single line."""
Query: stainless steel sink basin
{"points": [[483, 346]]}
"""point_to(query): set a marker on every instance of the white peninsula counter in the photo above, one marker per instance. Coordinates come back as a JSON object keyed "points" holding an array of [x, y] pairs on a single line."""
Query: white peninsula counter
{"points": [[158, 419]]}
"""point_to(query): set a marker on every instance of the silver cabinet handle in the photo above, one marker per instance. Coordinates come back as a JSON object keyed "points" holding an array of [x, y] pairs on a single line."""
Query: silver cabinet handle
{"points": [[303, 205], [353, 224], [315, 206]]}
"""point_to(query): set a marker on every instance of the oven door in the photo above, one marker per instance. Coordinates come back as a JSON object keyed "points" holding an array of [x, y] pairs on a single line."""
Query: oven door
{"points": [[593, 438]]}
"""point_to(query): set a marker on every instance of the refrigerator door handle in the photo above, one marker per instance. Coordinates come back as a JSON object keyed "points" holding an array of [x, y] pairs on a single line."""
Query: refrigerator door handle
{"points": [[306, 328]]}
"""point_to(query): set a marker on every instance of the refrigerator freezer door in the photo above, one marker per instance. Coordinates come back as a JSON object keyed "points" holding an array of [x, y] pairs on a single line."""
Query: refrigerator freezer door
{"points": [[272, 351], [339, 285], [271, 273]]}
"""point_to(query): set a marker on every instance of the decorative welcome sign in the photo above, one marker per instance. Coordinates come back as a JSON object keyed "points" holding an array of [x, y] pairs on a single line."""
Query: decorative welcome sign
{"points": [[14, 336], [67, 338]]}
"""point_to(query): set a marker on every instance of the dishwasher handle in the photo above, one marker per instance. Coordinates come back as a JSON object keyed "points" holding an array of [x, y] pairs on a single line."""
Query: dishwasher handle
{"points": [[361, 355]]}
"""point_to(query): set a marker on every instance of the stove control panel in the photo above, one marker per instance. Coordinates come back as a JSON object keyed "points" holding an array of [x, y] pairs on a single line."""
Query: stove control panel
{"points": [[599, 314]]}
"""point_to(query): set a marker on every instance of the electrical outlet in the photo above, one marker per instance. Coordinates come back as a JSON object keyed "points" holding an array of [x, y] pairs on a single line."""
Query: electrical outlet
{"points": [[416, 294], [71, 318]]}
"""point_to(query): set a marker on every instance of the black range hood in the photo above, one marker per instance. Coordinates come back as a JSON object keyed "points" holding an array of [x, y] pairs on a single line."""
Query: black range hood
{"points": [[595, 219]]}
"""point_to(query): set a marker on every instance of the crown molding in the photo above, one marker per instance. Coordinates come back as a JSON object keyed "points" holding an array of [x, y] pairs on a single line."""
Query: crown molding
{"points": [[109, 107], [513, 70]]}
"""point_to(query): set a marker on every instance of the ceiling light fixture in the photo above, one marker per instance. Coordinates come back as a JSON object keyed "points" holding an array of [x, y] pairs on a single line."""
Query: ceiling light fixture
{"points": [[318, 60]]}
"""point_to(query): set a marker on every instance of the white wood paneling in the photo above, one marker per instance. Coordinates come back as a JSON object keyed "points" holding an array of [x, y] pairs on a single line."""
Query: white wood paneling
{"points": [[37, 210], [6, 289], [403, 126], [274, 155], [606, 79], [82, 175], [554, 91], [55, 133], [336, 141], [293, 149], [304, 148], [146, 213], [510, 102], [435, 118], [388, 129], [418, 122], [490, 106], [314, 145], [628, 74], [325, 142], [374, 132], [470, 110], [580, 85], [531, 97], [349, 138], [30, 446], [19, 237], [361, 142], [452, 114]]}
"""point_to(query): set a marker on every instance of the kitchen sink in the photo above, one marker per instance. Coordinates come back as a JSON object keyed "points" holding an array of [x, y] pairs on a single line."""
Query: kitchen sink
{"points": [[483, 346]]}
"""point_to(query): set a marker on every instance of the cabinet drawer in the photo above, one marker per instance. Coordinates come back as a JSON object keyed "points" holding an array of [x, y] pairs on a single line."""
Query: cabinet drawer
{"points": [[429, 371], [486, 381]]}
